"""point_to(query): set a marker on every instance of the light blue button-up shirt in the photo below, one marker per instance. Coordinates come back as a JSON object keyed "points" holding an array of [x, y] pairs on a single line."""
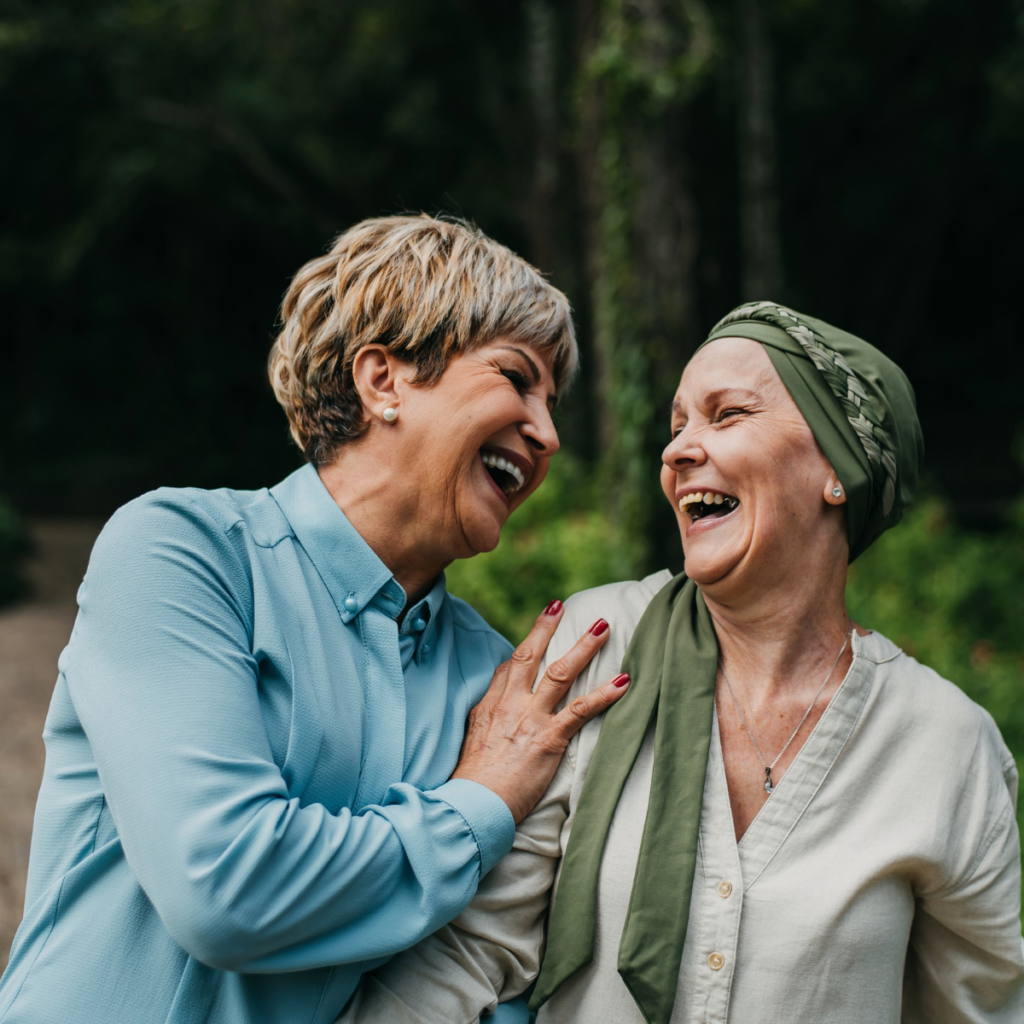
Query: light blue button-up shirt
{"points": [[245, 802]]}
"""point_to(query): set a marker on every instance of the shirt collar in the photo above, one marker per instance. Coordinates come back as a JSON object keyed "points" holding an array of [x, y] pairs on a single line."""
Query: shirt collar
{"points": [[422, 618], [350, 569]]}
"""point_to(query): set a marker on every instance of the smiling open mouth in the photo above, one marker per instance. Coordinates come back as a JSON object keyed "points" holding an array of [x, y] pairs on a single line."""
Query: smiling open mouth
{"points": [[508, 476], [702, 504]]}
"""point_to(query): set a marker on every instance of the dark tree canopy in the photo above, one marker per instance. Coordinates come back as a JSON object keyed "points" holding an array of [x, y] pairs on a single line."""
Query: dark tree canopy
{"points": [[168, 164]]}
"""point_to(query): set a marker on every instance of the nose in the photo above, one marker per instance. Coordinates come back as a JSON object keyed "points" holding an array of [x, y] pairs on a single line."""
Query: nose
{"points": [[540, 433], [682, 451]]}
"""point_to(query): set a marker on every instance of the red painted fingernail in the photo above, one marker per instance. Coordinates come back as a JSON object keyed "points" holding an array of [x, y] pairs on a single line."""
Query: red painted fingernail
{"points": [[554, 608], [620, 680], [599, 627]]}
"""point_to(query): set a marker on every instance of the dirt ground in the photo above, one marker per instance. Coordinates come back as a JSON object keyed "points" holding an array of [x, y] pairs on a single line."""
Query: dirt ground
{"points": [[32, 635]]}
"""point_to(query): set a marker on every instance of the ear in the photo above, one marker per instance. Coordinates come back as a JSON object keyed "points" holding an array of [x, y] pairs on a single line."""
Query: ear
{"points": [[378, 377], [832, 484]]}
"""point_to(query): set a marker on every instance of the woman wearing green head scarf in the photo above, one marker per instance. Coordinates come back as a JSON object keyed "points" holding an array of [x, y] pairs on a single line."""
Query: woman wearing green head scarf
{"points": [[788, 818]]}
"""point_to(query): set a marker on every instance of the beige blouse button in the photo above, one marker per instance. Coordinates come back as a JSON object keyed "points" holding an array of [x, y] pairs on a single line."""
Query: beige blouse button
{"points": [[716, 961], [725, 890]]}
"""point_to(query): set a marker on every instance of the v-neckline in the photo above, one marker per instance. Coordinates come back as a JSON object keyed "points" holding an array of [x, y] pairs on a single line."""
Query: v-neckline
{"points": [[793, 793]]}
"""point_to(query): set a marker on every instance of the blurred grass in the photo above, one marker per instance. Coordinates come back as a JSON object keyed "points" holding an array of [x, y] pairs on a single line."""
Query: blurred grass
{"points": [[951, 597]]}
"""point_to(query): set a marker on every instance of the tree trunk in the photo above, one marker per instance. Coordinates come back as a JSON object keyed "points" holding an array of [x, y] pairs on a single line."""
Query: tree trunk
{"points": [[541, 66], [761, 251], [592, 189], [641, 245]]}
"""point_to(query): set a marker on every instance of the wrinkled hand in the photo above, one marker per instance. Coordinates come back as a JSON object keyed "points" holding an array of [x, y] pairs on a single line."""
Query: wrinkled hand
{"points": [[515, 739]]}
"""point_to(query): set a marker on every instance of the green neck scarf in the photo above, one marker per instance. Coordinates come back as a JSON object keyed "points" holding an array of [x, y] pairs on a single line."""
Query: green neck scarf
{"points": [[672, 661], [861, 409]]}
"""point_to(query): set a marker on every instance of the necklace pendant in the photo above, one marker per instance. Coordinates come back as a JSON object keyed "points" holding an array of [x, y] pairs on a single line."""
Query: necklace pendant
{"points": [[769, 786]]}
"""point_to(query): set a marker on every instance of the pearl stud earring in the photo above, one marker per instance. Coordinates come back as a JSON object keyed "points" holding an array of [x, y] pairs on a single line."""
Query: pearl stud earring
{"points": [[837, 492], [390, 415]]}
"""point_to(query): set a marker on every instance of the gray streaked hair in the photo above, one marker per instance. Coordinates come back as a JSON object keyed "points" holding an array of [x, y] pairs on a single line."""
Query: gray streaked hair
{"points": [[426, 289]]}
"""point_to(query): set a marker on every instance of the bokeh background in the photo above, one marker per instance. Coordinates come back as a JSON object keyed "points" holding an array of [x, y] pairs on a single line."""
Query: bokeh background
{"points": [[166, 165]]}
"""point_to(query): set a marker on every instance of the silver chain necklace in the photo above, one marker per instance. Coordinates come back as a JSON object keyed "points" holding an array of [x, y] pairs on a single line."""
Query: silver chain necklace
{"points": [[769, 786]]}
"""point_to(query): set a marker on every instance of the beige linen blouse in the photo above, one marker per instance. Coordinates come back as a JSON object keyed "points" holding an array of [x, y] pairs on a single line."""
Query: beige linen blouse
{"points": [[880, 883]]}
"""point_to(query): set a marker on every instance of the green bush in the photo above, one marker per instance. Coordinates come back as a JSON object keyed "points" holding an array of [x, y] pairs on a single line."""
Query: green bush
{"points": [[951, 597], [558, 543], [13, 545]]}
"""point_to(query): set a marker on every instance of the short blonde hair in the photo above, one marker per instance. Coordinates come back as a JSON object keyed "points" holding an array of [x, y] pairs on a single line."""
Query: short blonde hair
{"points": [[427, 290]]}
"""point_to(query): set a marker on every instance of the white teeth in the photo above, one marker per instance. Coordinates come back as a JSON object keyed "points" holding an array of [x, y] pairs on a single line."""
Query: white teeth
{"points": [[689, 499], [497, 462], [705, 498]]}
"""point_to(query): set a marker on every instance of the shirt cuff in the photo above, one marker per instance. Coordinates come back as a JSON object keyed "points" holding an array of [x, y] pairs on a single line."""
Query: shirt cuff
{"points": [[487, 815]]}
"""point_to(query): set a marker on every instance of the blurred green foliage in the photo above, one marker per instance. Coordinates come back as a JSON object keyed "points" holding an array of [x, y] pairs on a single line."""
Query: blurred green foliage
{"points": [[949, 596], [171, 164], [561, 541]]}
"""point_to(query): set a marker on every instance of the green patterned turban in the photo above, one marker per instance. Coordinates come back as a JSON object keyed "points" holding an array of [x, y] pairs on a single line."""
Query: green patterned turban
{"points": [[858, 403]]}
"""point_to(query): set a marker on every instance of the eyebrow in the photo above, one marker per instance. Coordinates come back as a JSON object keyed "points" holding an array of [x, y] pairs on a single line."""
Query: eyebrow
{"points": [[534, 371]]}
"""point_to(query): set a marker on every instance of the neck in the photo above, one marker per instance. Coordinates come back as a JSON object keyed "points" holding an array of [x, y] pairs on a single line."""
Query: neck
{"points": [[365, 489], [786, 636]]}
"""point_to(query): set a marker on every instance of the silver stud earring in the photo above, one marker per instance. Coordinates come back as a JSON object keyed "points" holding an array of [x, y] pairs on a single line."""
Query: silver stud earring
{"points": [[837, 492], [389, 415]]}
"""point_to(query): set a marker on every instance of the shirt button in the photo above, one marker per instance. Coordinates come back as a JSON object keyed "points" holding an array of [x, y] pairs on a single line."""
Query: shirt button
{"points": [[716, 961], [725, 890], [419, 625], [351, 604], [424, 648]]}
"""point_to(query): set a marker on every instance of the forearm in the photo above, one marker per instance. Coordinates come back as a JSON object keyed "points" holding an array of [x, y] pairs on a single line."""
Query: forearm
{"points": [[300, 888]]}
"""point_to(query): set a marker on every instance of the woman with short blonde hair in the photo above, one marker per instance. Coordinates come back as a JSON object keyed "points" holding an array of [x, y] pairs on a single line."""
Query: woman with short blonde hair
{"points": [[427, 290], [254, 787]]}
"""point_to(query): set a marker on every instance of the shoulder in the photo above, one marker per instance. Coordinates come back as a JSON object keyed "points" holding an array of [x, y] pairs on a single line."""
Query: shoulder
{"points": [[936, 717], [953, 782], [621, 604], [928, 699], [178, 513], [168, 516], [185, 532]]}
